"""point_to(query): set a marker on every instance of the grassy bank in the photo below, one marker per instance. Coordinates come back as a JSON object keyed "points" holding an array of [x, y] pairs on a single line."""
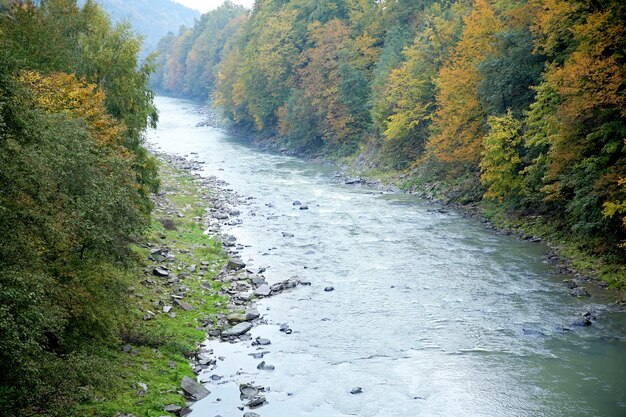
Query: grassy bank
{"points": [[147, 369]]}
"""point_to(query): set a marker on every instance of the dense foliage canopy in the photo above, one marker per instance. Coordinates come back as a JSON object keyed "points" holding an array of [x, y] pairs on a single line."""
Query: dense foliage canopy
{"points": [[74, 193], [520, 102]]}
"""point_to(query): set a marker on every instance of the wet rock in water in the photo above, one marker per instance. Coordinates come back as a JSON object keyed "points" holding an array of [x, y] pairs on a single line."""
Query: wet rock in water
{"points": [[533, 332], [220, 216], [236, 264], [248, 391], [265, 367], [287, 234], [160, 272], [329, 289], [251, 414], [263, 291], [257, 355], [195, 390], [237, 330], [296, 203], [304, 207], [256, 402], [356, 390], [262, 342], [582, 322], [234, 213], [570, 284], [579, 292]]}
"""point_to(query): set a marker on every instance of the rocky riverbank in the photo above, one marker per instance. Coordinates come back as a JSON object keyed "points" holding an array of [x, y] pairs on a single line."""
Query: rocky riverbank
{"points": [[238, 284]]}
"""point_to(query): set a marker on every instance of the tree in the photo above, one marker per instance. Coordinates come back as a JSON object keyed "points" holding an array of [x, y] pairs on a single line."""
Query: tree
{"points": [[459, 122], [501, 162]]}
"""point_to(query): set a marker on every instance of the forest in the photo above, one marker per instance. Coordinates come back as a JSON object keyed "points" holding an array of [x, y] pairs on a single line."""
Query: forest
{"points": [[515, 107], [75, 183], [519, 106]]}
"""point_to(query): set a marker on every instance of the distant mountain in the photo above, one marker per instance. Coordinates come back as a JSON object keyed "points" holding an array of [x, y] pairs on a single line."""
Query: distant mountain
{"points": [[151, 18]]}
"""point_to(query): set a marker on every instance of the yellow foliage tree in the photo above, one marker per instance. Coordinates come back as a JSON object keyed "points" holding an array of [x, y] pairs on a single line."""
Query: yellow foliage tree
{"points": [[64, 93], [500, 163], [459, 123]]}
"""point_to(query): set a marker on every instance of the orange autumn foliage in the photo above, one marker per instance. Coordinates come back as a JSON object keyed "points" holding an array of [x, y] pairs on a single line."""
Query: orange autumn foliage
{"points": [[64, 93], [459, 123]]}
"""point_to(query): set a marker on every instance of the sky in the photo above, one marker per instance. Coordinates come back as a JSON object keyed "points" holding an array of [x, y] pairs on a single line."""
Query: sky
{"points": [[206, 5]]}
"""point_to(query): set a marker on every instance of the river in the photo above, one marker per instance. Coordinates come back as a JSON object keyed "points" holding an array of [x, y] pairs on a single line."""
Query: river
{"points": [[429, 308]]}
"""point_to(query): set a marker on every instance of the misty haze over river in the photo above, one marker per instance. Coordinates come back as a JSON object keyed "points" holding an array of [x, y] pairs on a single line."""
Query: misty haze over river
{"points": [[429, 312]]}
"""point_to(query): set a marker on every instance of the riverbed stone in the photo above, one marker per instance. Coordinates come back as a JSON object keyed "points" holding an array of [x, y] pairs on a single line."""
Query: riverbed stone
{"points": [[195, 390], [172, 408], [262, 341], [356, 390], [329, 289], [235, 264], [251, 414], [579, 292], [237, 330], [248, 391], [263, 291], [256, 402]]}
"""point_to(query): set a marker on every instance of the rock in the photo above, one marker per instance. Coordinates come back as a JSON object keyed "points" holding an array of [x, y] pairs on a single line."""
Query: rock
{"points": [[256, 402], [263, 291], [237, 330], [236, 264], [184, 305], [166, 309], [234, 213], [220, 216], [248, 391], [172, 408], [127, 348], [287, 234], [356, 390], [195, 390], [570, 284], [329, 289], [252, 313], [582, 322], [251, 414], [352, 181], [532, 332], [262, 342], [265, 367], [249, 315], [296, 203], [304, 207], [579, 292], [160, 272]]}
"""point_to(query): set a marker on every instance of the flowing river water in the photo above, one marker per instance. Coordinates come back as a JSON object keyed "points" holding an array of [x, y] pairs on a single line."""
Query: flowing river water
{"points": [[432, 315]]}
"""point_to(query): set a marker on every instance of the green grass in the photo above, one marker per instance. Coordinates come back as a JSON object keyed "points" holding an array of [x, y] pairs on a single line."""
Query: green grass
{"points": [[160, 345]]}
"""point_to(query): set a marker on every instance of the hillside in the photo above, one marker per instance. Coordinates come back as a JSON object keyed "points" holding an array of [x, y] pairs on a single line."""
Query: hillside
{"points": [[152, 19]]}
